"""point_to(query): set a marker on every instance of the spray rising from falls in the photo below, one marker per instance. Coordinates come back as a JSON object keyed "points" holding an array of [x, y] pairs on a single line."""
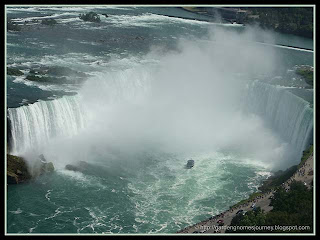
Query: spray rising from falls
{"points": [[188, 102], [34, 125]]}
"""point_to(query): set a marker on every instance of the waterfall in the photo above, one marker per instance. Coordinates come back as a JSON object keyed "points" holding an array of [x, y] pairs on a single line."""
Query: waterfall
{"points": [[286, 113], [33, 125]]}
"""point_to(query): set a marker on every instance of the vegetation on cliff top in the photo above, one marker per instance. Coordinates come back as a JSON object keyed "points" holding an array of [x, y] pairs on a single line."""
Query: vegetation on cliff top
{"points": [[293, 20], [280, 176], [307, 73], [292, 208]]}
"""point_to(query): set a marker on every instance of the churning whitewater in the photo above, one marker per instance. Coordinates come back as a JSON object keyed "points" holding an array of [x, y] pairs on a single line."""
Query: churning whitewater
{"points": [[149, 104]]}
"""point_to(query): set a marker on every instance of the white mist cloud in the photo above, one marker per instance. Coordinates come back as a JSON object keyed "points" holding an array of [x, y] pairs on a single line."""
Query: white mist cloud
{"points": [[190, 102]]}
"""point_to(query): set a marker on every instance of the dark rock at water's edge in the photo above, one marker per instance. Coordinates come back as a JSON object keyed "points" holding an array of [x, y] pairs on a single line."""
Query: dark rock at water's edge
{"points": [[17, 170], [49, 21], [54, 74], [73, 168], [32, 77], [11, 26], [14, 72], [90, 17], [78, 167], [64, 71], [41, 166]]}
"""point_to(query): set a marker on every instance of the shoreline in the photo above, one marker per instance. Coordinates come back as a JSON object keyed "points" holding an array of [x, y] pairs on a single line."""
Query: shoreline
{"points": [[263, 200], [198, 12]]}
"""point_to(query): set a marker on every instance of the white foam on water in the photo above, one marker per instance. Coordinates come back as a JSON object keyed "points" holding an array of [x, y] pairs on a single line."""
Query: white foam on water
{"points": [[54, 16], [184, 191], [22, 9], [48, 195], [83, 180], [18, 211], [147, 20], [90, 43]]}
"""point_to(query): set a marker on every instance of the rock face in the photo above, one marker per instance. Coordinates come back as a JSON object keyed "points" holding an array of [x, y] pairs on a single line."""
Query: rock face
{"points": [[78, 167], [14, 71], [11, 26], [56, 74], [49, 21], [90, 17], [41, 166], [17, 171]]}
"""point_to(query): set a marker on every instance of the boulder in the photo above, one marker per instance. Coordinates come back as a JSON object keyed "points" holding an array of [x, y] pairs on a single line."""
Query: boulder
{"points": [[35, 78], [57, 75], [64, 71], [12, 178], [77, 167], [73, 168], [17, 170], [11, 26], [49, 167], [14, 71], [90, 17], [49, 21], [41, 166]]}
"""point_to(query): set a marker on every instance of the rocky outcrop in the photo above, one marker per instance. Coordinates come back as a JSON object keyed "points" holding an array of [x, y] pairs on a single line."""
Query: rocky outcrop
{"points": [[32, 77], [49, 21], [11, 26], [56, 74], [80, 166], [90, 17], [41, 166], [14, 71], [64, 71], [17, 170]]}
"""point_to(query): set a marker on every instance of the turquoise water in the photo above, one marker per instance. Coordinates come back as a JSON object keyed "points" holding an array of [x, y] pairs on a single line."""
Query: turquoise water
{"points": [[155, 196], [160, 92]]}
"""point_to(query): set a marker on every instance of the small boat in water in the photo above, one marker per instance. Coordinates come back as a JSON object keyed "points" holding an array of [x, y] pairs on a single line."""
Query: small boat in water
{"points": [[190, 163]]}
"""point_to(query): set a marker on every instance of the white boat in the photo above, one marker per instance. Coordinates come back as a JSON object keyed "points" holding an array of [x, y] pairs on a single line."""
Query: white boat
{"points": [[190, 163]]}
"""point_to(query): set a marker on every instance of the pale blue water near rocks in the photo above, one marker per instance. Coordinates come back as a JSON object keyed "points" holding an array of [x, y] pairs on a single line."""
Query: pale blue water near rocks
{"points": [[159, 91]]}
